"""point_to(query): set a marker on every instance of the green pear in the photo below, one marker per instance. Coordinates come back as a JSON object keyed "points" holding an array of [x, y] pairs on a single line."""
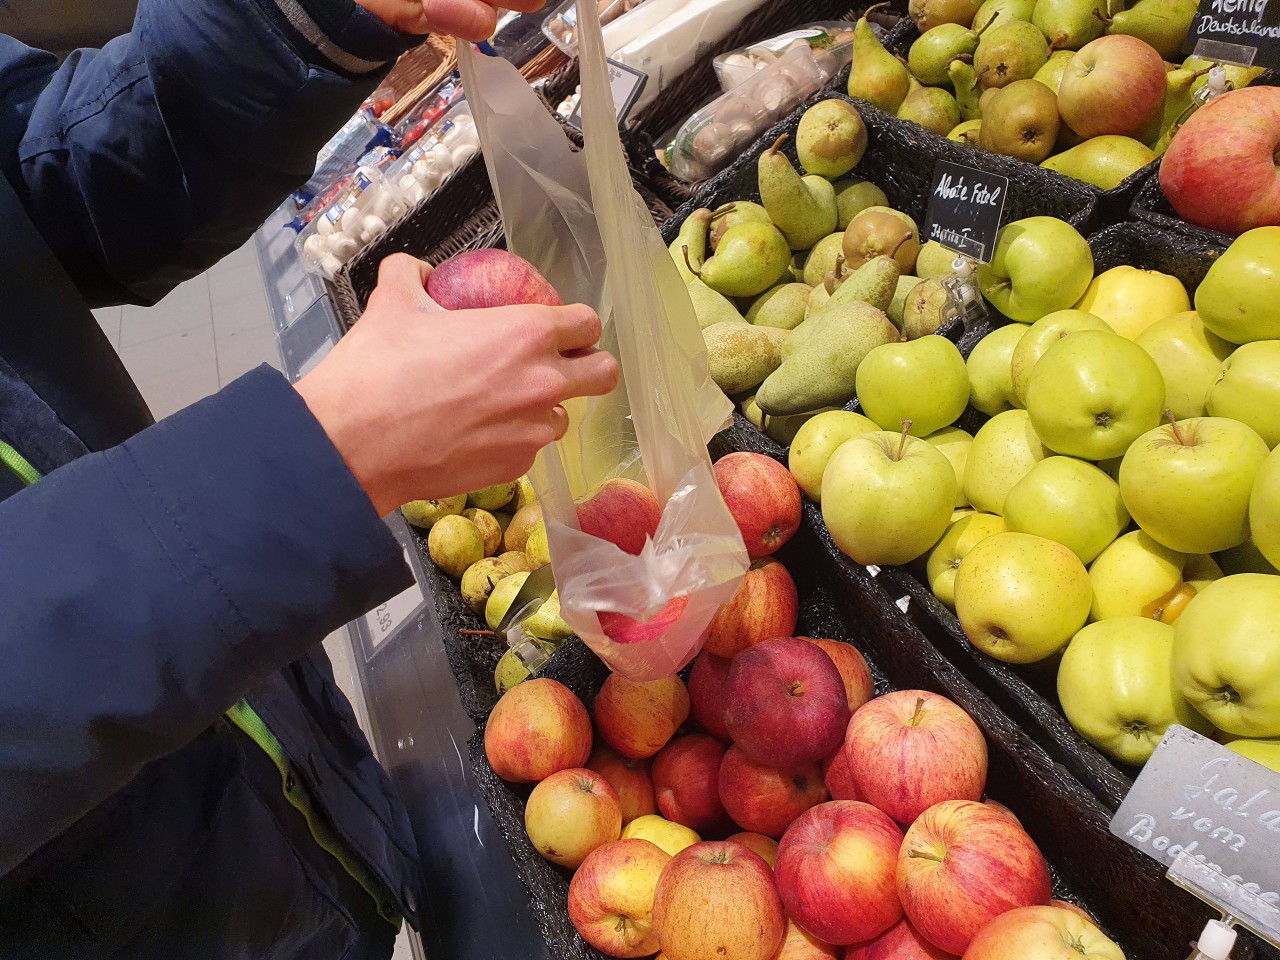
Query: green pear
{"points": [[932, 52], [905, 286], [925, 309], [831, 138], [1021, 121], [479, 580], [711, 307], [1009, 52], [1162, 24], [741, 355], [930, 13], [933, 108], [964, 80], [781, 429], [1070, 24], [822, 258], [1177, 100], [935, 260], [501, 598], [1051, 73], [546, 624], [967, 131], [854, 196], [873, 283], [425, 513], [803, 208], [818, 298], [1006, 10], [728, 216], [1102, 161], [454, 545], [750, 258], [877, 76], [782, 307], [689, 248], [1237, 77]]}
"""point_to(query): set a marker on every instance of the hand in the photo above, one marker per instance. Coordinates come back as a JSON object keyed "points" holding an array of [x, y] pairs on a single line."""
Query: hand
{"points": [[424, 403], [473, 20]]}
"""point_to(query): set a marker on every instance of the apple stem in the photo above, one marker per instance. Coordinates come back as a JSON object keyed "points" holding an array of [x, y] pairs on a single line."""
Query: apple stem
{"points": [[688, 263], [1173, 425], [919, 714], [924, 855], [778, 143], [902, 443]]}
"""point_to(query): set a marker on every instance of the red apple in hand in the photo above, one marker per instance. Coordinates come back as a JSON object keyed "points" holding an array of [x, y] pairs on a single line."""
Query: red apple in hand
{"points": [[836, 869], [624, 512], [785, 703], [637, 719], [758, 843], [1042, 933], [706, 693], [961, 866], [858, 685], [911, 749], [611, 897], [630, 780], [763, 799], [763, 498], [538, 728], [764, 606], [839, 778], [686, 778], [1114, 85], [620, 628], [488, 278], [571, 813], [899, 942]]}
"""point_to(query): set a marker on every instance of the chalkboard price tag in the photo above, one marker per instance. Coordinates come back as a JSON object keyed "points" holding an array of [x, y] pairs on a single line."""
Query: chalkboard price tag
{"points": [[1245, 32], [625, 83], [966, 208]]}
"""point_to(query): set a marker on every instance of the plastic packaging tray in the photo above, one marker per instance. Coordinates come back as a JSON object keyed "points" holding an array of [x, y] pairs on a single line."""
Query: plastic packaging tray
{"points": [[561, 25], [831, 42]]}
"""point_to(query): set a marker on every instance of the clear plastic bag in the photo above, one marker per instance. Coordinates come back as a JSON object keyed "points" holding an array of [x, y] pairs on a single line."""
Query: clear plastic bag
{"points": [[577, 218]]}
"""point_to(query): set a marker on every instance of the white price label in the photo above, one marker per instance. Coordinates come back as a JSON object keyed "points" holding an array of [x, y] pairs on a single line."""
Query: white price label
{"points": [[385, 619], [625, 83]]}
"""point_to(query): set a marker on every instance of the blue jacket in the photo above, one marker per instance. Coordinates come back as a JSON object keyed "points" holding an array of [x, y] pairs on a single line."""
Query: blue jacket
{"points": [[179, 774]]}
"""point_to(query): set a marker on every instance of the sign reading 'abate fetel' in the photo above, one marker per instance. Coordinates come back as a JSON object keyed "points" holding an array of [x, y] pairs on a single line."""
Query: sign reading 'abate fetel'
{"points": [[1237, 31], [966, 208]]}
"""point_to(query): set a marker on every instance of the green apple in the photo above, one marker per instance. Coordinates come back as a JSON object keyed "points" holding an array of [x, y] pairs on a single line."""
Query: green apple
{"points": [[1248, 389], [1190, 360], [1238, 297], [1201, 570], [1187, 483], [1265, 752], [962, 535], [1132, 576], [1068, 501], [1116, 687], [1004, 450], [1042, 335], [1039, 265], [1021, 598], [923, 381], [990, 373], [1226, 654], [815, 442], [1264, 509], [954, 444], [1093, 393], [887, 497]]}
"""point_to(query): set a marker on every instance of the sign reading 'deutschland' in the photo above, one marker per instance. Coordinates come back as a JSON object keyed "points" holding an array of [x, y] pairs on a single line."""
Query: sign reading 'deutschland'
{"points": [[1237, 31], [966, 208]]}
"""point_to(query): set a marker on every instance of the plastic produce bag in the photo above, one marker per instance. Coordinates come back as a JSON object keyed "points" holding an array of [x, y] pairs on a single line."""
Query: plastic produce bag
{"points": [[576, 217]]}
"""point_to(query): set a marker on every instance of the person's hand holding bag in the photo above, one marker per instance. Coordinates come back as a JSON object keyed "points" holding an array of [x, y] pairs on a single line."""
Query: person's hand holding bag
{"points": [[473, 20]]}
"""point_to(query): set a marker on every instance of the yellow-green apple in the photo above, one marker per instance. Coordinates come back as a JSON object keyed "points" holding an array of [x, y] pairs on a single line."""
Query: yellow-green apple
{"points": [[911, 749], [1068, 501], [836, 869], [1131, 576], [763, 498], [1264, 509], [667, 836], [1039, 265], [858, 685], [1237, 298], [764, 799], [1042, 933], [1115, 683], [954, 444], [1003, 451], [1190, 360], [630, 779], [1201, 570], [1021, 598], [1131, 300], [1094, 393], [817, 440], [1226, 654], [686, 782], [1187, 483], [900, 942], [764, 606], [887, 498], [838, 777], [961, 537], [758, 843], [624, 512], [1265, 752], [571, 813], [991, 372], [1248, 389], [537, 728], [1219, 170], [638, 718], [611, 897], [718, 900], [922, 382], [488, 278], [785, 702], [1042, 335], [1113, 85], [963, 864], [706, 694], [797, 944]]}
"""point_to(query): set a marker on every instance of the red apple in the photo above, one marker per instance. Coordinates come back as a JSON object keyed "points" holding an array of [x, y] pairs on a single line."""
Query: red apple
{"points": [[1001, 808], [1114, 85], [1042, 933], [717, 901], [624, 512], [858, 685], [799, 945], [611, 897], [1078, 910], [706, 693], [538, 728], [911, 749], [620, 628], [763, 498], [630, 780], [488, 278], [764, 606], [961, 866], [686, 779], [1220, 169], [758, 843], [763, 799], [836, 869], [638, 718], [571, 813], [838, 777], [899, 942], [785, 703]]}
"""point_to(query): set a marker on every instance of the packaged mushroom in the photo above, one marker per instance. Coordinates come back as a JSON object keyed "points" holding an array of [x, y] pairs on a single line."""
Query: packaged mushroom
{"points": [[561, 26], [831, 42]]}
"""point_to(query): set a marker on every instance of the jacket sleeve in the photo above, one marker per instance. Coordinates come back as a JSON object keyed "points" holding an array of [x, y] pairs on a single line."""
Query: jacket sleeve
{"points": [[146, 588], [146, 161]]}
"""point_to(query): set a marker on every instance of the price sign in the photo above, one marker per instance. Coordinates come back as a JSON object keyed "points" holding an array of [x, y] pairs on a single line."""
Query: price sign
{"points": [[966, 208], [1242, 32], [385, 619], [625, 83]]}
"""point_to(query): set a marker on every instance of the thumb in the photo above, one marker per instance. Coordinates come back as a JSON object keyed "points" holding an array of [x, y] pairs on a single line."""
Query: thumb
{"points": [[473, 20], [402, 282]]}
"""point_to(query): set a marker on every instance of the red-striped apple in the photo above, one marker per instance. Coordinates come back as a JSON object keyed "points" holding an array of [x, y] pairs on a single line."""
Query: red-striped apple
{"points": [[763, 498], [571, 813], [858, 685], [536, 729], [706, 694], [488, 278], [686, 780], [839, 778], [611, 897], [798, 944], [637, 719], [630, 779], [624, 512], [900, 942], [758, 843], [620, 628], [764, 799], [764, 606]]}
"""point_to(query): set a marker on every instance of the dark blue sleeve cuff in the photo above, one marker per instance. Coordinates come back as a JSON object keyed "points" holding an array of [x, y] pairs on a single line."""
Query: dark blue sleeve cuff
{"points": [[338, 33]]}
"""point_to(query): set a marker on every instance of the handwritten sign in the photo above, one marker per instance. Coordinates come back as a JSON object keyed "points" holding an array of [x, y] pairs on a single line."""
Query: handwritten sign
{"points": [[386, 618], [966, 207], [625, 83], [1244, 32]]}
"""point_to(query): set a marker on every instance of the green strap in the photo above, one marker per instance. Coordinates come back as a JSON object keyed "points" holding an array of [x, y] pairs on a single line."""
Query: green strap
{"points": [[17, 463]]}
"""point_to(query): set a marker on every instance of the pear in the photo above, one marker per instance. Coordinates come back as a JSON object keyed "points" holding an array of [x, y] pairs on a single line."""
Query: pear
{"points": [[781, 429], [822, 258], [932, 52], [1237, 77], [964, 80], [1070, 24], [838, 273], [1051, 73], [1021, 121], [803, 208], [877, 76], [1009, 52], [782, 307], [966, 131], [454, 545], [545, 623], [822, 371], [873, 283], [896, 308], [875, 232], [1178, 85], [741, 355], [730, 215], [1162, 24], [935, 260], [750, 258], [925, 309], [932, 108], [831, 138], [854, 196], [818, 298], [479, 580], [931, 13], [1006, 10], [712, 307], [1102, 161], [692, 238]]}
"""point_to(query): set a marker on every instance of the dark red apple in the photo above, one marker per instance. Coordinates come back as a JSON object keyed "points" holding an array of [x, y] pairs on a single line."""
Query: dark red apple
{"points": [[838, 777], [624, 512], [620, 628], [765, 800], [900, 942], [858, 685], [706, 694], [764, 606], [686, 781], [763, 498], [488, 278]]}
